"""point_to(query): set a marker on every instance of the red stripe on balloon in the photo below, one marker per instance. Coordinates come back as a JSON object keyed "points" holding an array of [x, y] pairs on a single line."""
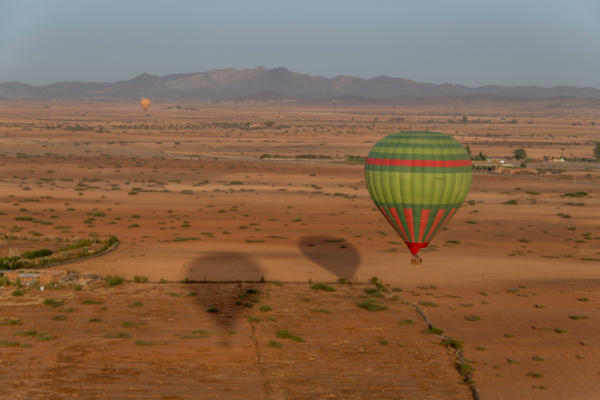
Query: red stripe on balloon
{"points": [[450, 215], [434, 226], [397, 219], [424, 219], [410, 221], [418, 163], [391, 223]]}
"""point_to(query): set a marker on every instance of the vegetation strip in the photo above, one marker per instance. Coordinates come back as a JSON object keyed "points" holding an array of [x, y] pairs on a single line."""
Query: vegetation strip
{"points": [[467, 377], [109, 250]]}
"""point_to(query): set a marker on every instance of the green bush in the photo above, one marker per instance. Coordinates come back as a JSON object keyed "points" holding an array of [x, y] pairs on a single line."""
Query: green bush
{"points": [[30, 255], [113, 280], [284, 334], [372, 305], [323, 287]]}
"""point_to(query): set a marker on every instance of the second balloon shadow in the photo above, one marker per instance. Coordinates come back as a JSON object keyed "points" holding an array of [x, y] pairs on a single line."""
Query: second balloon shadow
{"points": [[333, 254]]}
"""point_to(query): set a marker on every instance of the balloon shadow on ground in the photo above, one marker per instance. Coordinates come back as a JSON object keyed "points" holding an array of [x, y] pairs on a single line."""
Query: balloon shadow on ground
{"points": [[230, 268], [332, 254]]}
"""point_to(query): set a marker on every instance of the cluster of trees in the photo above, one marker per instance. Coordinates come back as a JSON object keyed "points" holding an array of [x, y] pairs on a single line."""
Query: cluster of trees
{"points": [[356, 159]]}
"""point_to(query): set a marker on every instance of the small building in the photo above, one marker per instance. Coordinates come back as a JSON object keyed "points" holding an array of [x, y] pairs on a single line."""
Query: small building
{"points": [[33, 277]]}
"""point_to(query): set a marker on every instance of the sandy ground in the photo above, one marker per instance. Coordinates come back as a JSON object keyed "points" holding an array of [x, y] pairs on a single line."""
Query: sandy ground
{"points": [[172, 348], [297, 221]]}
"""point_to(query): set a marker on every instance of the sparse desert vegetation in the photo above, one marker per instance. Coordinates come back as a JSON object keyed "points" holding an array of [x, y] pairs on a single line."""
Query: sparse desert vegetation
{"points": [[191, 198]]}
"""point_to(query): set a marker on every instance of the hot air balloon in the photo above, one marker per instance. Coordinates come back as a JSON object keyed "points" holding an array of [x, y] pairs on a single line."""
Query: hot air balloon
{"points": [[145, 103], [418, 180]]}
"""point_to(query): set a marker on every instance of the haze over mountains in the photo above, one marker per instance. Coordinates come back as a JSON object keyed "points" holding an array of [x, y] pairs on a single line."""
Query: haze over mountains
{"points": [[241, 84]]}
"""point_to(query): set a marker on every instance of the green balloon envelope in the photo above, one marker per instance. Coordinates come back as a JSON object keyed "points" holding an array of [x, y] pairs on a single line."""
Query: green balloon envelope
{"points": [[418, 180]]}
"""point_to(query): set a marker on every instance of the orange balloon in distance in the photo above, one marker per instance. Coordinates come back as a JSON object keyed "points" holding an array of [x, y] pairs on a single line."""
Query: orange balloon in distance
{"points": [[145, 103]]}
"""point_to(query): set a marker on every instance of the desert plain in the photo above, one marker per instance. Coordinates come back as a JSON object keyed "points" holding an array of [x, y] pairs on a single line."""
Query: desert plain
{"points": [[513, 279]]}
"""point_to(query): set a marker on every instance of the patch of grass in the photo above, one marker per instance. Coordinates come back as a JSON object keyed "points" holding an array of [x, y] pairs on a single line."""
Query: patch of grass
{"points": [[467, 305], [513, 361], [453, 242], [68, 310], [59, 318], [541, 328], [118, 336], [466, 368], [472, 222], [540, 306], [508, 335], [53, 303], [6, 343], [433, 331], [190, 294], [140, 279], [254, 319], [374, 292], [576, 317], [562, 331], [128, 325], [212, 310], [275, 344], [283, 334], [583, 299], [113, 280], [536, 375], [455, 344], [297, 339], [320, 311], [144, 343], [372, 305], [323, 287], [94, 320], [406, 322], [397, 289], [17, 293], [137, 304], [265, 308], [90, 302], [481, 348], [511, 202], [538, 358], [428, 304], [384, 342], [8, 321], [39, 336], [474, 318]]}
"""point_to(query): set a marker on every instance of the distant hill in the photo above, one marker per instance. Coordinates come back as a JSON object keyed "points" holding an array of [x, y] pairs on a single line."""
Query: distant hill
{"points": [[228, 83]]}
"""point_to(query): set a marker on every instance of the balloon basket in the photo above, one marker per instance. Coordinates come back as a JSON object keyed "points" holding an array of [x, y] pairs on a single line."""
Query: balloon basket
{"points": [[416, 260]]}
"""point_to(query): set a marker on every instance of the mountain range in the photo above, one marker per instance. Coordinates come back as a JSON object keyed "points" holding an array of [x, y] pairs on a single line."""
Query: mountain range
{"points": [[219, 84]]}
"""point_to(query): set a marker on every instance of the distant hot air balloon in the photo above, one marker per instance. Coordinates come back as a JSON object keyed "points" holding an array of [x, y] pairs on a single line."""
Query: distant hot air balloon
{"points": [[418, 180], [145, 103]]}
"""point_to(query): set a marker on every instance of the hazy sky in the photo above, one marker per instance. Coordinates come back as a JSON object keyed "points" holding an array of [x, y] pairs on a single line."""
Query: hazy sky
{"points": [[471, 42]]}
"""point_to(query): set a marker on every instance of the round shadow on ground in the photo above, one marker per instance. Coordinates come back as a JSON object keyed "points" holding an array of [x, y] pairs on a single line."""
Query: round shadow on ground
{"points": [[230, 268], [332, 254]]}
